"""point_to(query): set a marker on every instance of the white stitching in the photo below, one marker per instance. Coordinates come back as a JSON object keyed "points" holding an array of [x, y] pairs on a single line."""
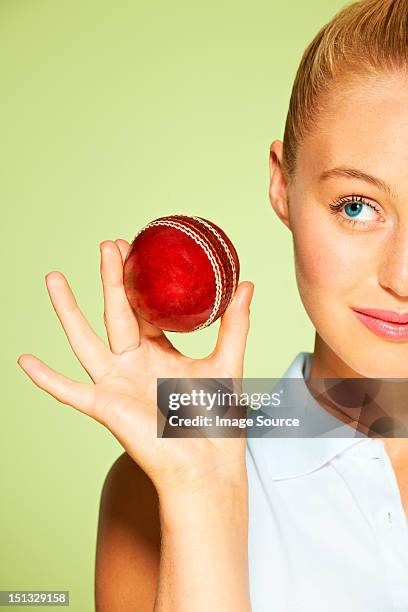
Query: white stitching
{"points": [[228, 252]]}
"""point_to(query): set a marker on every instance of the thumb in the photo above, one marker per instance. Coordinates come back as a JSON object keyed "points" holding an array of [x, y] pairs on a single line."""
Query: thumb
{"points": [[234, 328]]}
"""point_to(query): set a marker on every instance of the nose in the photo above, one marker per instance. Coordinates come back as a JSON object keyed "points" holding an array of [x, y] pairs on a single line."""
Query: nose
{"points": [[393, 271]]}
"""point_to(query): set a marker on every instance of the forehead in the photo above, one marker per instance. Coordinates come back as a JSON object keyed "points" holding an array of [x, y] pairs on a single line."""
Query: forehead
{"points": [[364, 123]]}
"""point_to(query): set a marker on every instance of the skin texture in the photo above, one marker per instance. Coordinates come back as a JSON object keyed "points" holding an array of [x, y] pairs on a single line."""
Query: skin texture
{"points": [[339, 265]]}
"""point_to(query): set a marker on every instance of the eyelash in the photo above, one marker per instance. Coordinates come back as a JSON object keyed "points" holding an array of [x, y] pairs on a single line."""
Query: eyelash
{"points": [[337, 206]]}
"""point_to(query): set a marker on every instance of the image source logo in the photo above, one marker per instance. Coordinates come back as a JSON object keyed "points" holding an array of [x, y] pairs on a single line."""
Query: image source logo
{"points": [[254, 407]]}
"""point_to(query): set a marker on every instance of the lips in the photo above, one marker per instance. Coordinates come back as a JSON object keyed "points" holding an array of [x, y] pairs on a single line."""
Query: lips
{"points": [[385, 323]]}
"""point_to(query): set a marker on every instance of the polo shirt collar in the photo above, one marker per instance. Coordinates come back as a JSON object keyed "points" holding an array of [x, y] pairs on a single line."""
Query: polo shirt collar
{"points": [[293, 457]]}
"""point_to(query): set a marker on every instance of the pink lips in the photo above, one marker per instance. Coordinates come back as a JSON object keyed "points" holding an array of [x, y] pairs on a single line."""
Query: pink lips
{"points": [[385, 323]]}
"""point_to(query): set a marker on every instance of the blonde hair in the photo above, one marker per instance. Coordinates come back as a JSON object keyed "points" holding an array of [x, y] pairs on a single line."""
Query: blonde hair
{"points": [[362, 37]]}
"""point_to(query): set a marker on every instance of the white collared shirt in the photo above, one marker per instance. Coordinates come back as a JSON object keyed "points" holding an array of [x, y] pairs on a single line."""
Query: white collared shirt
{"points": [[327, 529]]}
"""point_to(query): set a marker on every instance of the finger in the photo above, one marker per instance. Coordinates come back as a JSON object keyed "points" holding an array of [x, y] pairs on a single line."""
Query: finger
{"points": [[146, 329], [91, 351], [120, 322], [234, 328], [78, 395], [123, 247]]}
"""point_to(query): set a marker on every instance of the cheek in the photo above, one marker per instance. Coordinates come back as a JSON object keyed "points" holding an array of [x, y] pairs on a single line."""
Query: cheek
{"points": [[326, 258]]}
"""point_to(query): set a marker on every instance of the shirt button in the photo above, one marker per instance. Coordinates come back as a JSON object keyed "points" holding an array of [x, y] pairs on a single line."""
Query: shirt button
{"points": [[384, 517]]}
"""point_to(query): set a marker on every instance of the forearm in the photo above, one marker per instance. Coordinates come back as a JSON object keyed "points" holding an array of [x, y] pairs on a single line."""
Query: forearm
{"points": [[204, 550]]}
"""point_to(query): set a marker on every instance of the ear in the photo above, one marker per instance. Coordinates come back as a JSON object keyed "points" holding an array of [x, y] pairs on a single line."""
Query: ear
{"points": [[278, 188]]}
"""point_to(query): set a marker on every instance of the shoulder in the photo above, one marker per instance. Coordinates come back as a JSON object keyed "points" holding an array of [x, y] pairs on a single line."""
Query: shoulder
{"points": [[128, 540]]}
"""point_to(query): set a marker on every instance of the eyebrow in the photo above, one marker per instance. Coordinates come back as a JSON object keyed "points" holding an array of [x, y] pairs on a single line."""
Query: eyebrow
{"points": [[355, 173]]}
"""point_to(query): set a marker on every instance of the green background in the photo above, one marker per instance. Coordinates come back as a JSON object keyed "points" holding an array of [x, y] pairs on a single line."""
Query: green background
{"points": [[113, 114]]}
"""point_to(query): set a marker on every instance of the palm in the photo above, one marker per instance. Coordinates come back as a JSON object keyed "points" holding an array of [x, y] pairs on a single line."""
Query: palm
{"points": [[123, 396]]}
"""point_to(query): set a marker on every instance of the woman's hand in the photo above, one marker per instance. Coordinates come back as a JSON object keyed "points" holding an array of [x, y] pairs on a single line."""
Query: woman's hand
{"points": [[123, 396]]}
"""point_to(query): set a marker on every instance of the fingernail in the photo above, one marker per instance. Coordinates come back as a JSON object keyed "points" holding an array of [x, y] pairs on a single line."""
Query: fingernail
{"points": [[249, 294], [52, 277], [241, 297]]}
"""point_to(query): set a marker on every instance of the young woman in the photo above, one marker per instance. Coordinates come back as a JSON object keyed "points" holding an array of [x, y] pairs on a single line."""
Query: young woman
{"points": [[189, 525]]}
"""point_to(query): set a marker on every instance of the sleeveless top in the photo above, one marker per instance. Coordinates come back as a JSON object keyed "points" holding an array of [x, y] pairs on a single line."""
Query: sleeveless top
{"points": [[327, 529]]}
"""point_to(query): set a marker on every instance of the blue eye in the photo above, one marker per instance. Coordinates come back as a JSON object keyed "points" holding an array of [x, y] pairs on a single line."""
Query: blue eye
{"points": [[353, 209]]}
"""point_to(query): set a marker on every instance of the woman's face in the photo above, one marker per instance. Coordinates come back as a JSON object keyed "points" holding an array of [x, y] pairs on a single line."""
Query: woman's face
{"points": [[347, 208]]}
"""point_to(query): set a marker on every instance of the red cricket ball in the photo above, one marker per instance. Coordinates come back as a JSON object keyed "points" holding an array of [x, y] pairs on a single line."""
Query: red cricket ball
{"points": [[181, 273]]}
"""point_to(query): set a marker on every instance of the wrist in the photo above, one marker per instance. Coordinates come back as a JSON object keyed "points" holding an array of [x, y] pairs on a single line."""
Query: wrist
{"points": [[224, 499], [198, 486]]}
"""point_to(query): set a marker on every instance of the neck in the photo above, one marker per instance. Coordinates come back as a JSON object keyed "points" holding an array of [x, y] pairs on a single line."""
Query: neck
{"points": [[326, 364], [376, 407]]}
